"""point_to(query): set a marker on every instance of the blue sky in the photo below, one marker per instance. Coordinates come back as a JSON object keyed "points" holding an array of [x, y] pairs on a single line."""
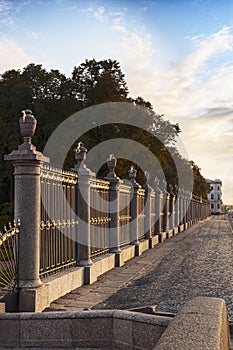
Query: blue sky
{"points": [[175, 53]]}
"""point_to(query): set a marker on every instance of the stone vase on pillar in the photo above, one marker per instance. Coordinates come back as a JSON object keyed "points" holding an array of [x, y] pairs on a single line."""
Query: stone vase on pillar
{"points": [[27, 165]]}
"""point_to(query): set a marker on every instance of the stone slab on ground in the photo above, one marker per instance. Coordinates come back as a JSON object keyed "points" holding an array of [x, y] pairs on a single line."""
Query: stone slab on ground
{"points": [[197, 262]]}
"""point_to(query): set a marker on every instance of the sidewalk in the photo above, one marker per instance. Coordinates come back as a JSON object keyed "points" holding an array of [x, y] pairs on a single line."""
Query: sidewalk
{"points": [[197, 262]]}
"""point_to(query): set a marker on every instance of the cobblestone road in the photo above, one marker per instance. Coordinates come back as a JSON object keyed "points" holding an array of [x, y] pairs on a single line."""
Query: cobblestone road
{"points": [[197, 262]]}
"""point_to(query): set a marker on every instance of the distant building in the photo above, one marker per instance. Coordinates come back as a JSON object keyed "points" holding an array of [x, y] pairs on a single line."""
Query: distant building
{"points": [[215, 196]]}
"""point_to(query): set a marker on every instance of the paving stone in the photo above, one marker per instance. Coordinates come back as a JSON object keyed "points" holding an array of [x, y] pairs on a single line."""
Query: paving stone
{"points": [[197, 262]]}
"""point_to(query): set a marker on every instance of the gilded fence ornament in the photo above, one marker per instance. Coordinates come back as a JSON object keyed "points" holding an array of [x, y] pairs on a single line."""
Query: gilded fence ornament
{"points": [[9, 255], [59, 224]]}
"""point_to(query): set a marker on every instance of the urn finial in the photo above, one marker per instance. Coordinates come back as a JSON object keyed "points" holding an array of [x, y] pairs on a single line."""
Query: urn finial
{"points": [[27, 123], [80, 156], [111, 162], [132, 174]]}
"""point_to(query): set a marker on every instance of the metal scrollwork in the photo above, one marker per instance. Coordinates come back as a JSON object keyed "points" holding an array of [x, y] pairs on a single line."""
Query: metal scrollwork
{"points": [[53, 224]]}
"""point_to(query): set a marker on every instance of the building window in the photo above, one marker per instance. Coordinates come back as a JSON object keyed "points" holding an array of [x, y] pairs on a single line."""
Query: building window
{"points": [[211, 187], [212, 205], [218, 206], [212, 196]]}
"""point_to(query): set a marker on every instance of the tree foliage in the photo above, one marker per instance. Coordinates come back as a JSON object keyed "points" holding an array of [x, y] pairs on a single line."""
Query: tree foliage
{"points": [[53, 97]]}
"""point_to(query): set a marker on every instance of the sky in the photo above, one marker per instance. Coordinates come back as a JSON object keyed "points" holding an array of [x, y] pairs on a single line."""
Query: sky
{"points": [[177, 54]]}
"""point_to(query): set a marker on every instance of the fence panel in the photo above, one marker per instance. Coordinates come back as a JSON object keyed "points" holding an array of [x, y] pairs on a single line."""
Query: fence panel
{"points": [[58, 224], [141, 214], [153, 213], [124, 215], [99, 221], [8, 259], [59, 227]]}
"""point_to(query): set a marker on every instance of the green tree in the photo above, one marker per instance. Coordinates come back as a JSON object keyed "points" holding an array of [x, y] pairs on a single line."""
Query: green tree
{"points": [[53, 97], [98, 82]]}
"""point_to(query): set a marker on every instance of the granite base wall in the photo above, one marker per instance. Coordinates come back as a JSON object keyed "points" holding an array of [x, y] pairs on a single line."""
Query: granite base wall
{"points": [[201, 324], [59, 285]]}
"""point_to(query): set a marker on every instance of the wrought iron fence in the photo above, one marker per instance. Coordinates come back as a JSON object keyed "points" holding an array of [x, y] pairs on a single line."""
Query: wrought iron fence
{"points": [[58, 222], [8, 258], [124, 215], [60, 233], [99, 217], [153, 213], [141, 214]]}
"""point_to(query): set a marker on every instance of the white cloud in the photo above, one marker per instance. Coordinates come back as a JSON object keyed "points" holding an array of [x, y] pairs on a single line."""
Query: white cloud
{"points": [[196, 92], [33, 35], [136, 50], [98, 13], [118, 28], [12, 55], [8, 9], [204, 105], [142, 10], [132, 45], [4, 6]]}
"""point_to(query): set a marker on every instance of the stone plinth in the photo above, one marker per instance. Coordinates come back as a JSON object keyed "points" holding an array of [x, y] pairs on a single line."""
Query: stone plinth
{"points": [[27, 163]]}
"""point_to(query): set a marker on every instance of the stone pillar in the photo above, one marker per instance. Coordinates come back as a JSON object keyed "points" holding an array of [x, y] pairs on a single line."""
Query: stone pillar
{"points": [[134, 210], [147, 208], [172, 209], [188, 208], [201, 208], [158, 208], [27, 165], [114, 209], [186, 196], [182, 213], [84, 232], [195, 208], [177, 208], [166, 212], [183, 218]]}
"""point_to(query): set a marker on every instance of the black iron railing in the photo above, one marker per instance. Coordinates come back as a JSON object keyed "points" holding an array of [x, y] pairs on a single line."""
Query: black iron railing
{"points": [[58, 220], [8, 258]]}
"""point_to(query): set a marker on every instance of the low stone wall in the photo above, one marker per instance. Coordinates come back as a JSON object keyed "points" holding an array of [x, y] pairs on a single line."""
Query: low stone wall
{"points": [[56, 286], [87, 329], [201, 324]]}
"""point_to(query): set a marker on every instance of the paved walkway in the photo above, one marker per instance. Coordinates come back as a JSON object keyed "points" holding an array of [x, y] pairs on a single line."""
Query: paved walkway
{"points": [[197, 262]]}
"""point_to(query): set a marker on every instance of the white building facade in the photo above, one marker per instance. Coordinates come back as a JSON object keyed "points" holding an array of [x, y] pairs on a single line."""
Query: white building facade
{"points": [[215, 196]]}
